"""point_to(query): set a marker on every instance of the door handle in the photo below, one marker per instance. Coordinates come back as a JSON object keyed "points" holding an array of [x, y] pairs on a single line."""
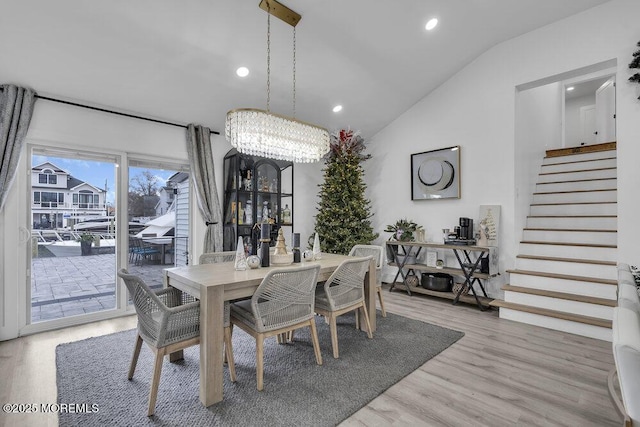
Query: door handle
{"points": [[25, 235]]}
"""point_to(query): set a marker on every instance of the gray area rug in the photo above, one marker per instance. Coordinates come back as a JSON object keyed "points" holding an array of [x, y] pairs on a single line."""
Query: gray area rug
{"points": [[297, 391]]}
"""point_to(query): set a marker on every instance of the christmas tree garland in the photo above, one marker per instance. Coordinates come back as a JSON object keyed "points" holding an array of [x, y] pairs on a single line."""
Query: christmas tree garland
{"points": [[635, 63]]}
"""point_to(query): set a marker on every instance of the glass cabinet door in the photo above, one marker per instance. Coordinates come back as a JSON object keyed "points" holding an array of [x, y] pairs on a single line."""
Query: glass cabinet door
{"points": [[254, 194]]}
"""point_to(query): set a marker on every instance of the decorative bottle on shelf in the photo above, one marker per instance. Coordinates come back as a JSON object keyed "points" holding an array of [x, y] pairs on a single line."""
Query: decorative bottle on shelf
{"points": [[248, 185], [265, 211], [248, 212], [240, 213], [286, 215]]}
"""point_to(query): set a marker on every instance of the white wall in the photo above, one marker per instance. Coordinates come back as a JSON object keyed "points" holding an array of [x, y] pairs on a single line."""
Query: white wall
{"points": [[538, 127], [476, 110], [573, 123]]}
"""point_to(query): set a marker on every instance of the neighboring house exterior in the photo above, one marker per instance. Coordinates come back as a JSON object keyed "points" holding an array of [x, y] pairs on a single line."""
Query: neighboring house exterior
{"points": [[59, 200], [167, 194]]}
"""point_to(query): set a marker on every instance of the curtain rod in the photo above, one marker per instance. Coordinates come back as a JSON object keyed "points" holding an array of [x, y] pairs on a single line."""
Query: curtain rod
{"points": [[118, 113]]}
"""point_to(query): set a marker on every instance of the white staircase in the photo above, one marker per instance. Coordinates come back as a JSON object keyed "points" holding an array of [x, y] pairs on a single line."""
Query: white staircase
{"points": [[565, 275]]}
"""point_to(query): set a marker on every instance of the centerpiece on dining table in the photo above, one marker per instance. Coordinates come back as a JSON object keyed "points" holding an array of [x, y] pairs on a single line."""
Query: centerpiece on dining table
{"points": [[280, 255]]}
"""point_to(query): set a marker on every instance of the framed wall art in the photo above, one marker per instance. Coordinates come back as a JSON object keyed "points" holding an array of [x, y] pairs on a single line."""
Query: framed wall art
{"points": [[436, 174]]}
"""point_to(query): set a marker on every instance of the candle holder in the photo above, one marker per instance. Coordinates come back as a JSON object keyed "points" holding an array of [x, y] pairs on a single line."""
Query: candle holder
{"points": [[265, 231], [296, 248]]}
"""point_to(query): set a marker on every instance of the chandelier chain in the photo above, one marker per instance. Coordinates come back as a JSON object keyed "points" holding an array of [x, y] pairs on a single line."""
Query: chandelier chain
{"points": [[268, 58], [294, 72]]}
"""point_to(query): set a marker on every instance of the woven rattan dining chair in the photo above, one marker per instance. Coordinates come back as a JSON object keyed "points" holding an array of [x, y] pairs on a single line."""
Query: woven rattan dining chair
{"points": [[213, 258], [168, 321], [377, 252], [344, 292], [283, 302]]}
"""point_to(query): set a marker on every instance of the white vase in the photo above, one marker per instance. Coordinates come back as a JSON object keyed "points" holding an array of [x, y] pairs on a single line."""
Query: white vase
{"points": [[241, 258], [316, 247]]}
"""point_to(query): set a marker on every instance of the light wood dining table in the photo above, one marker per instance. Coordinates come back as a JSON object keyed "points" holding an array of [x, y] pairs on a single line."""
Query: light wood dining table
{"points": [[213, 284]]}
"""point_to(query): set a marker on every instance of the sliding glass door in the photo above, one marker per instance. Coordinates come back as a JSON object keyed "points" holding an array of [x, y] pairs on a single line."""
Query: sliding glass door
{"points": [[72, 200], [158, 213]]}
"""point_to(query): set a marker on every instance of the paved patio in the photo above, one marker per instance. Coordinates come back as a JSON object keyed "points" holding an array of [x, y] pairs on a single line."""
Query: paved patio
{"points": [[69, 286]]}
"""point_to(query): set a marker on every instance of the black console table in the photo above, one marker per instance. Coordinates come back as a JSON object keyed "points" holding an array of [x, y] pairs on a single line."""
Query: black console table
{"points": [[468, 260]]}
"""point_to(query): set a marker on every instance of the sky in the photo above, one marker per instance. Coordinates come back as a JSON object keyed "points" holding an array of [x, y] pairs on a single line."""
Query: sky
{"points": [[98, 173]]}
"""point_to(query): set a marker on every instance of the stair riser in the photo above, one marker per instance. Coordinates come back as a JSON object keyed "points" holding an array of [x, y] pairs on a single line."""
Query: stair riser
{"points": [[556, 304], [584, 237], [581, 197], [571, 268], [579, 157], [605, 184], [589, 223], [557, 324], [581, 252], [573, 176], [580, 166], [575, 209], [575, 287]]}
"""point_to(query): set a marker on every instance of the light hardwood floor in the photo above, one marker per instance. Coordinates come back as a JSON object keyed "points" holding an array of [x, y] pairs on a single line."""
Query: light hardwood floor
{"points": [[501, 373]]}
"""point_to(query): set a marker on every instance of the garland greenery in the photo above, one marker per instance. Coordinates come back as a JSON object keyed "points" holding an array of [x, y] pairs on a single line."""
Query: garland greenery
{"points": [[635, 63]]}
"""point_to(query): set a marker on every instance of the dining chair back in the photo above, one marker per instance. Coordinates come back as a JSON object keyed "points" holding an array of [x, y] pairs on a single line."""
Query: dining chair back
{"points": [[283, 302], [378, 254], [168, 321], [344, 292]]}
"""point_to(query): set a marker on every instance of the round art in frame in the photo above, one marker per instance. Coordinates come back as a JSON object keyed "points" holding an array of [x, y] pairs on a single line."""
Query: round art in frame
{"points": [[436, 174]]}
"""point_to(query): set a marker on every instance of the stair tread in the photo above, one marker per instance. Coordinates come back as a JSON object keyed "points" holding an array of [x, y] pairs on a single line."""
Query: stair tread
{"points": [[592, 245], [577, 180], [577, 171], [572, 216], [561, 295], [553, 313], [581, 149], [581, 161], [571, 203], [577, 260], [574, 191], [565, 277], [589, 230]]}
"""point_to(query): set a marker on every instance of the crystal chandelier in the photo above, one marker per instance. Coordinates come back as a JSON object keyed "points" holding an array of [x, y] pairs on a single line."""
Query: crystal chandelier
{"points": [[263, 133]]}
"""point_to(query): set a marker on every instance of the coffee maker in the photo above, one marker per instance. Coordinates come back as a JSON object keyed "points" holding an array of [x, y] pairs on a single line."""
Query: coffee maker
{"points": [[466, 229]]}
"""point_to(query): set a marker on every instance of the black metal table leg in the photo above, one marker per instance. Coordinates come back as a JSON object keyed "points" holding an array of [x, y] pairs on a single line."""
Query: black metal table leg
{"points": [[469, 279]]}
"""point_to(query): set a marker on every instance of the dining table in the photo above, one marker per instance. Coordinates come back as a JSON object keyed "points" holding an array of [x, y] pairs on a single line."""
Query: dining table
{"points": [[213, 284]]}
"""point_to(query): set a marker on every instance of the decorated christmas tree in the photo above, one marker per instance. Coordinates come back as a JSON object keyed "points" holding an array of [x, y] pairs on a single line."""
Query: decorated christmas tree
{"points": [[344, 214]]}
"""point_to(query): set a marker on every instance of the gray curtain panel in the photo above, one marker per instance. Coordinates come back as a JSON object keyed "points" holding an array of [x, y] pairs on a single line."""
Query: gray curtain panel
{"points": [[204, 180], [16, 109]]}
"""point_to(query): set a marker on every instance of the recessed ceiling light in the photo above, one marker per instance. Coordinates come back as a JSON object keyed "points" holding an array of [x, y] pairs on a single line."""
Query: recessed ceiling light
{"points": [[242, 71], [337, 108], [570, 88], [431, 24]]}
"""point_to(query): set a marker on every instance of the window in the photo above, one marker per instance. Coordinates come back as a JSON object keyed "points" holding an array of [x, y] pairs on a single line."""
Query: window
{"points": [[47, 177], [48, 199], [85, 199]]}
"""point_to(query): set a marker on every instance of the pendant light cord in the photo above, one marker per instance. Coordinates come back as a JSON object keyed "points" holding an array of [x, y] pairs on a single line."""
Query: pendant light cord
{"points": [[294, 72], [268, 57]]}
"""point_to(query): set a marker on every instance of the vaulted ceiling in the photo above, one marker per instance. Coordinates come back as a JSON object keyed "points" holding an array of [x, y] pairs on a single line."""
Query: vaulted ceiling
{"points": [[176, 60]]}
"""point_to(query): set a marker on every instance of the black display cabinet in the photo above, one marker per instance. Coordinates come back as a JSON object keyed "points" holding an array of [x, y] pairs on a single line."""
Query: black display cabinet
{"points": [[255, 187]]}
